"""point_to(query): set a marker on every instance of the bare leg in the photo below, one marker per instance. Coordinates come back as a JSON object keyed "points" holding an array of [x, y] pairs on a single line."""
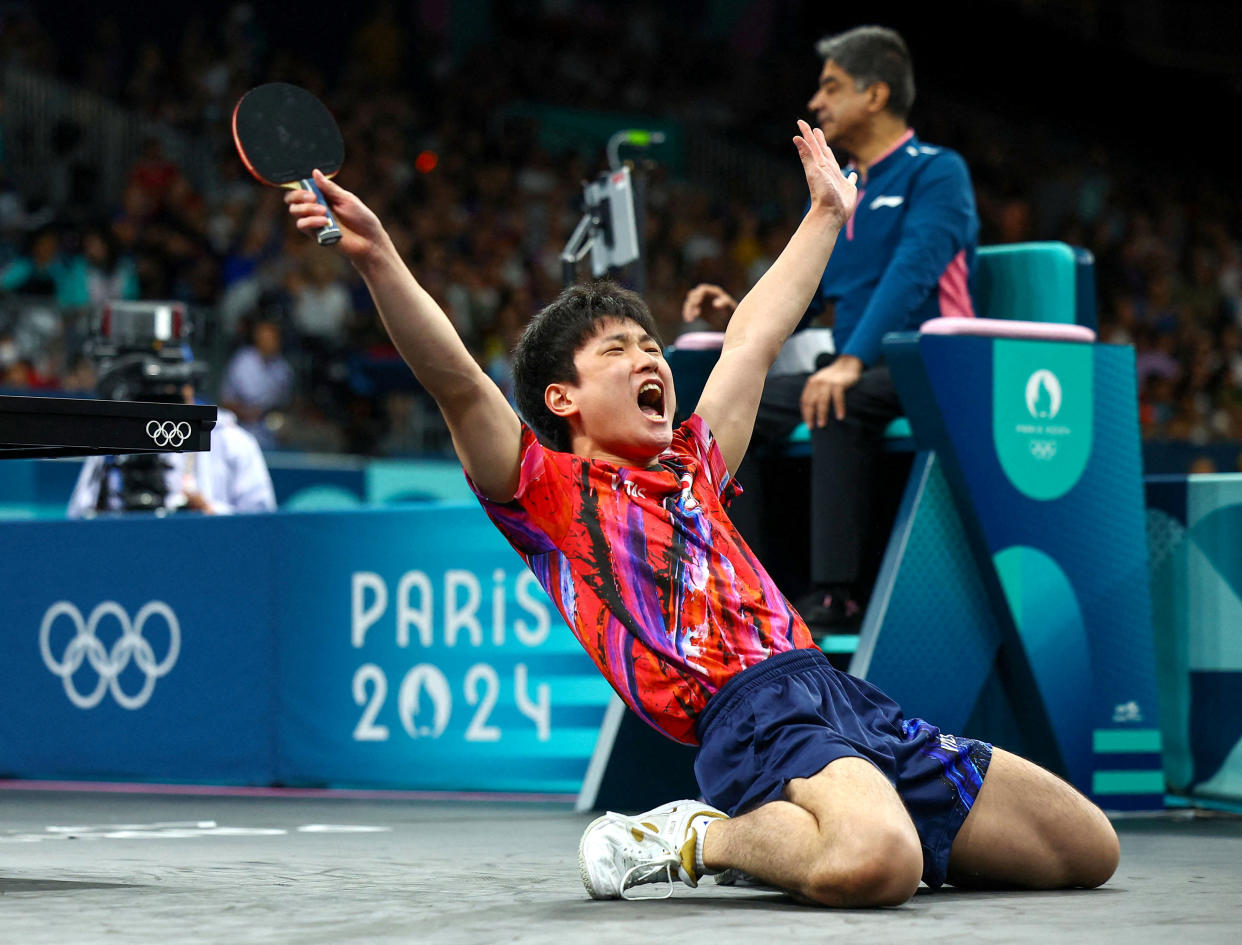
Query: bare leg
{"points": [[840, 838], [1030, 829]]}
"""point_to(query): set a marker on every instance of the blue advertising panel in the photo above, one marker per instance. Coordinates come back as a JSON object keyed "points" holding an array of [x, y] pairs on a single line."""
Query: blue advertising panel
{"points": [[418, 651], [132, 649], [403, 648], [1038, 444]]}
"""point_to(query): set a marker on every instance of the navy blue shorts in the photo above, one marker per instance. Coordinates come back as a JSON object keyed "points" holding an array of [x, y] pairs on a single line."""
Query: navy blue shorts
{"points": [[791, 715]]}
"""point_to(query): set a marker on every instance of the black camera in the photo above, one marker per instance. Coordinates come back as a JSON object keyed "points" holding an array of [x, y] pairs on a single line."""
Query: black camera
{"points": [[143, 486], [140, 354]]}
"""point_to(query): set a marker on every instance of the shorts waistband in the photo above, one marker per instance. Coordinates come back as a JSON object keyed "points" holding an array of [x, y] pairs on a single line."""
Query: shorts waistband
{"points": [[791, 661]]}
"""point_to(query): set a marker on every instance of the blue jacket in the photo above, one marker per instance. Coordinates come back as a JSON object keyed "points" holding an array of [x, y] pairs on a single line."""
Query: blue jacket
{"points": [[908, 252]]}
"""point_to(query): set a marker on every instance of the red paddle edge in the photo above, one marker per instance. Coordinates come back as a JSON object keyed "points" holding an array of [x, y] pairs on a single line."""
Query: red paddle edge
{"points": [[241, 153]]}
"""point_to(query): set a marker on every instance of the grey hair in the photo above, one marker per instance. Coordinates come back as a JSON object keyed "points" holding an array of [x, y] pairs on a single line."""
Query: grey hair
{"points": [[871, 54]]}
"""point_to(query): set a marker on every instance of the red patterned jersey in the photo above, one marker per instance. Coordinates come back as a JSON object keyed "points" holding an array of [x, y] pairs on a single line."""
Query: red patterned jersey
{"points": [[649, 572]]}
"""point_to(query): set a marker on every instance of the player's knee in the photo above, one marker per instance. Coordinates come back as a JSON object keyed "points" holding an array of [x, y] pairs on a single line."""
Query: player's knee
{"points": [[1097, 858], [1082, 852], [882, 869]]}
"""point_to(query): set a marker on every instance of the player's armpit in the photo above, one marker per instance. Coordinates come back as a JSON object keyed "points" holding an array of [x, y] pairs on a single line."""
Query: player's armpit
{"points": [[730, 400], [487, 437]]}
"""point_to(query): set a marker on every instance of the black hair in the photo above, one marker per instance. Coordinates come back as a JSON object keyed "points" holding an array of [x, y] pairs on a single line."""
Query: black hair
{"points": [[871, 54], [545, 353]]}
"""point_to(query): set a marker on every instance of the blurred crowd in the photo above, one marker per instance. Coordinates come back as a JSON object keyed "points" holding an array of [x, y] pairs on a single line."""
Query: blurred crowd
{"points": [[481, 204]]}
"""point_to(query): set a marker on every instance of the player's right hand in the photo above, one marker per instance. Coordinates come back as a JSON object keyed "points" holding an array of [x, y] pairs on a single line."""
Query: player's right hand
{"points": [[361, 230], [710, 303]]}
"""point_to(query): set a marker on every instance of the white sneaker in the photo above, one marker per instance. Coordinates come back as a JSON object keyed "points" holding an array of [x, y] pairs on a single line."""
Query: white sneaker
{"points": [[673, 821], [618, 853]]}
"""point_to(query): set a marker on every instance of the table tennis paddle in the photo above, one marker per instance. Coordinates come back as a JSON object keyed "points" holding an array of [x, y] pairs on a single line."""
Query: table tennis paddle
{"points": [[283, 133]]}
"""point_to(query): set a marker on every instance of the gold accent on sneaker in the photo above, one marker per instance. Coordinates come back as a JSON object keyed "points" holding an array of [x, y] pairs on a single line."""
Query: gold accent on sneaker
{"points": [[687, 857]]}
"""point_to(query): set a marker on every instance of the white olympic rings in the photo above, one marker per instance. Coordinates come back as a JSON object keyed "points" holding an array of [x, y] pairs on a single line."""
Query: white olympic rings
{"points": [[1043, 449], [167, 433], [109, 664]]}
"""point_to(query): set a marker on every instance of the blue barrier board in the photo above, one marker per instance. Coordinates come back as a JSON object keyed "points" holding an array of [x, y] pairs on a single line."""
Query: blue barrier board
{"points": [[404, 648]]}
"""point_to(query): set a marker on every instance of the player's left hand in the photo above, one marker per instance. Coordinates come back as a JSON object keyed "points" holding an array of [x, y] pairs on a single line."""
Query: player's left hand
{"points": [[830, 190], [825, 390]]}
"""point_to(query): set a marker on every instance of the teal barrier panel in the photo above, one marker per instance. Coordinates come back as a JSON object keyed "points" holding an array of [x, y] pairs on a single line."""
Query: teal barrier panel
{"points": [[1194, 529], [40, 488], [418, 651], [1047, 636], [36, 488], [403, 648]]}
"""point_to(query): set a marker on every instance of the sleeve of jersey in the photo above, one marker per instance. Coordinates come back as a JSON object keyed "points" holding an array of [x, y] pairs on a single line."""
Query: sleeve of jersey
{"points": [[694, 439], [538, 515], [937, 227]]}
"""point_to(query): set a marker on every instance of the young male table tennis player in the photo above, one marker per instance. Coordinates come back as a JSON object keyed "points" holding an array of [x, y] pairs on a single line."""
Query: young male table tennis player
{"points": [[820, 786]]}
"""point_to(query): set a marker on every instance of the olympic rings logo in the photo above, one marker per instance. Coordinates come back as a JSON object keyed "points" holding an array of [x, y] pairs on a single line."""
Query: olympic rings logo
{"points": [[167, 433], [109, 663], [1043, 449]]}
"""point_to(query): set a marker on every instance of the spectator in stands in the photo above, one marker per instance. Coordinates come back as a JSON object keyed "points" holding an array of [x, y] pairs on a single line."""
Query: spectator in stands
{"points": [[1202, 465], [9, 351], [905, 257], [39, 270], [99, 273], [18, 375], [258, 382], [321, 305], [251, 264], [1133, 222], [152, 172], [321, 313], [79, 376]]}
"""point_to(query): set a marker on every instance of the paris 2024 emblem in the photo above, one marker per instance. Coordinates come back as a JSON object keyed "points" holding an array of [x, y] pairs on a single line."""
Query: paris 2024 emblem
{"points": [[1042, 414]]}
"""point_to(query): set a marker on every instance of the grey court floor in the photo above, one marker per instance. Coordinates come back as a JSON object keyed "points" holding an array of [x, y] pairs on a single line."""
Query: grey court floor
{"points": [[88, 867]]}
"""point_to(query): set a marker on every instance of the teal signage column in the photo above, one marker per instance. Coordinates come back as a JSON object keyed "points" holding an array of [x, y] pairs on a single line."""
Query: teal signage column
{"points": [[1015, 601]]}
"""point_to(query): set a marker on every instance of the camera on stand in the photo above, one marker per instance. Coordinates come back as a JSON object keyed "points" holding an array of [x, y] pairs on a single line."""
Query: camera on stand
{"points": [[141, 354], [608, 230], [613, 217]]}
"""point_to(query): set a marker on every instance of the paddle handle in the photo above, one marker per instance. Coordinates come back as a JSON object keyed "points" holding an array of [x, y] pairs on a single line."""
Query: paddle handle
{"points": [[331, 233]]}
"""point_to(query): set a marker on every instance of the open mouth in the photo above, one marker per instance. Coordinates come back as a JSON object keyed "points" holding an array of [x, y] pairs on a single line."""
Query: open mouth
{"points": [[651, 400]]}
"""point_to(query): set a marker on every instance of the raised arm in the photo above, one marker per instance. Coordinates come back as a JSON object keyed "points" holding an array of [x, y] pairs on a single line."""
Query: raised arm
{"points": [[771, 310], [486, 431]]}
